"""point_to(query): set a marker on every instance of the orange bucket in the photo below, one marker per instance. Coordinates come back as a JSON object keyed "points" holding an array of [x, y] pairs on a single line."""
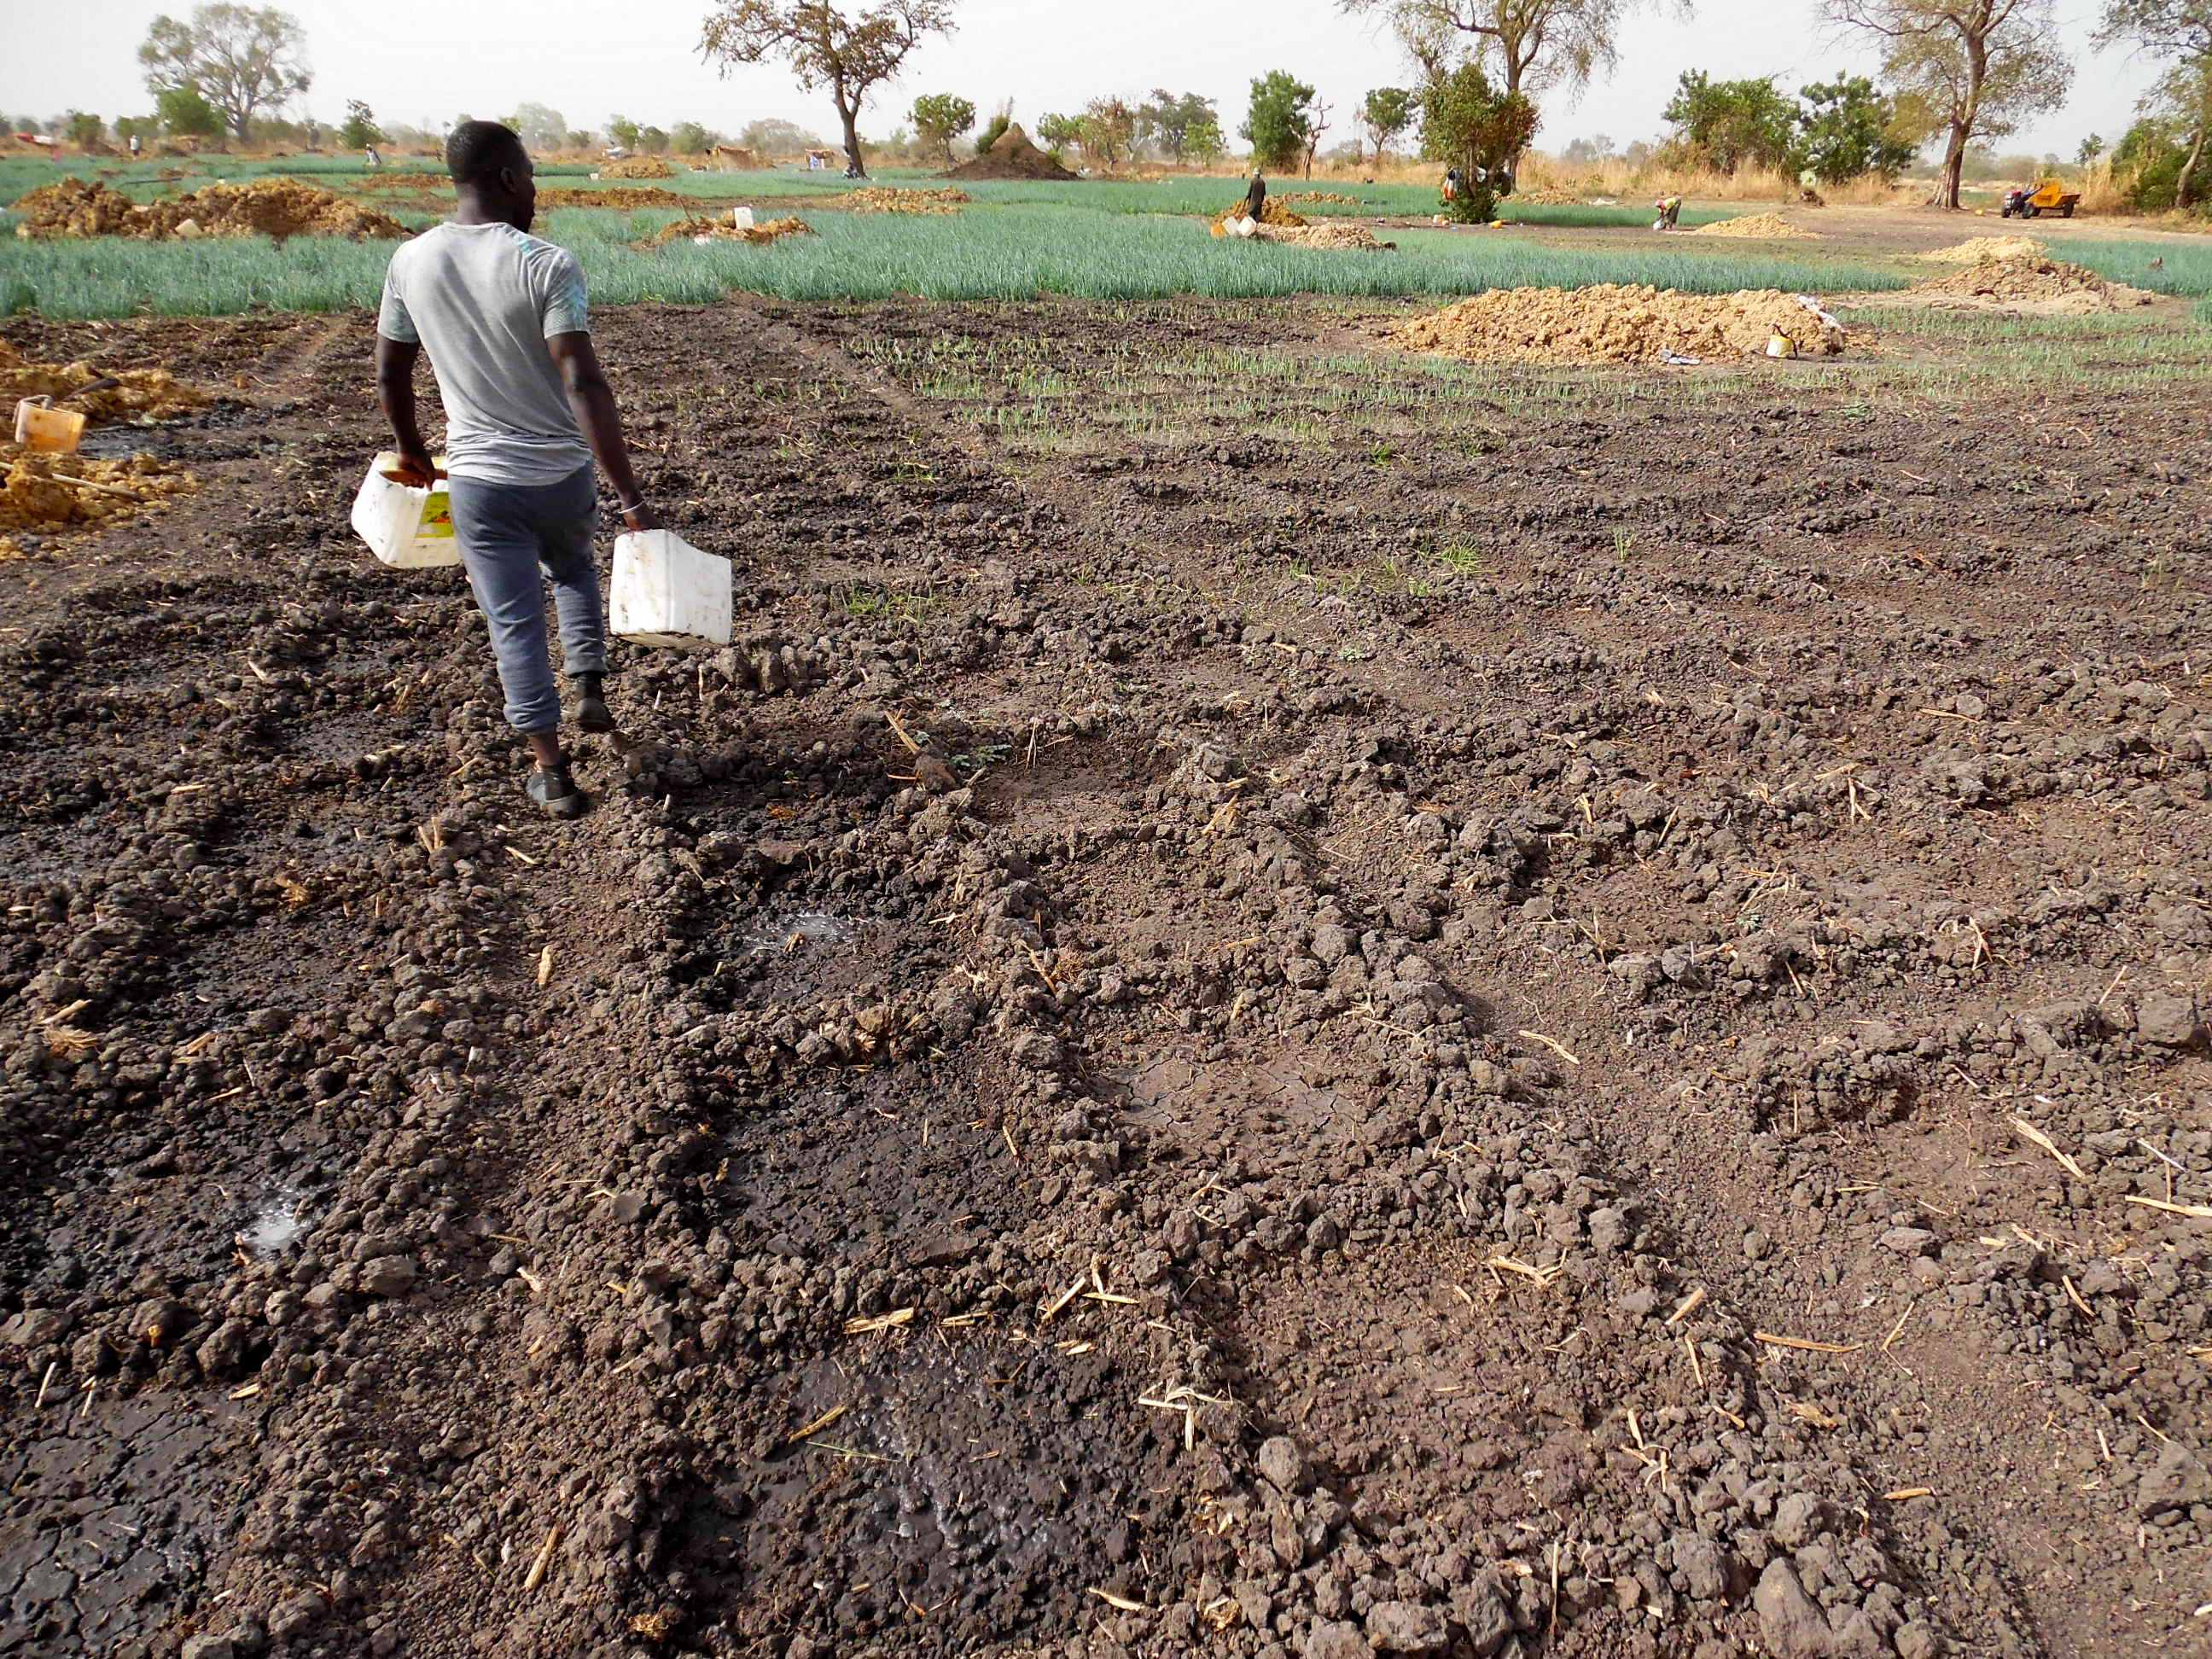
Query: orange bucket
{"points": [[40, 426]]}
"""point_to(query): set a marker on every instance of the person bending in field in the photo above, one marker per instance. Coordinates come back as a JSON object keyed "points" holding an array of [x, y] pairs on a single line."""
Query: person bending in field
{"points": [[504, 318]]}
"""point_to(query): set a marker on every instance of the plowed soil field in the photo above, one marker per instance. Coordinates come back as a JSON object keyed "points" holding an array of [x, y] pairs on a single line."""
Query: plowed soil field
{"points": [[1239, 1023]]}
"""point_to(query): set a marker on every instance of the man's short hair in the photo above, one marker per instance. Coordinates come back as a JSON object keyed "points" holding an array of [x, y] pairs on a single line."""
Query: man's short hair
{"points": [[476, 150]]}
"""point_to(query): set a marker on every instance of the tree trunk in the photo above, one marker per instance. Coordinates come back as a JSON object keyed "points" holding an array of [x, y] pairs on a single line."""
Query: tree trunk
{"points": [[2184, 184], [850, 115], [1954, 163]]}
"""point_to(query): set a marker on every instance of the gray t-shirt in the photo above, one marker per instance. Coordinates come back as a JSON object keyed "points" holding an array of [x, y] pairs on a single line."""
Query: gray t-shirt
{"points": [[483, 299]]}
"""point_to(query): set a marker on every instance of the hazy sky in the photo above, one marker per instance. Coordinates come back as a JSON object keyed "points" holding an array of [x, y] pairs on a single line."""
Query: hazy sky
{"points": [[419, 61]]}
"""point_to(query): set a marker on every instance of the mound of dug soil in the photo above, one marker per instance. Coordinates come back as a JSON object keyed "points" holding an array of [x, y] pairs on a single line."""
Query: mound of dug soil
{"points": [[1328, 197], [1768, 226], [1617, 324], [885, 198], [638, 166], [45, 492], [1330, 238], [1012, 156], [722, 230], [1977, 250], [137, 394], [1549, 196], [1272, 213], [642, 197], [2037, 283], [280, 207]]}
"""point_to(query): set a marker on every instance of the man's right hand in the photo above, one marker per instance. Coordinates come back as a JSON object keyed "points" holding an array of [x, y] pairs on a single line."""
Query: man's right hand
{"points": [[640, 517], [415, 470]]}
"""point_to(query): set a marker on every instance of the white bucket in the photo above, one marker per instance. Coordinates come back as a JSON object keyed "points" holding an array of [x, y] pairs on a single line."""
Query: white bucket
{"points": [[742, 218], [668, 593], [406, 527]]}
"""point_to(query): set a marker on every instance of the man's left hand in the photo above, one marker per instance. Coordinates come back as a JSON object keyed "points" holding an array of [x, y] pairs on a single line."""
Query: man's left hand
{"points": [[640, 517]]}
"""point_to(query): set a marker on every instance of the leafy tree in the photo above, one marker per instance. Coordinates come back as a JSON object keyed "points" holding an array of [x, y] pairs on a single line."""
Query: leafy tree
{"points": [[653, 141], [941, 117], [1279, 121], [2178, 32], [360, 130], [538, 126], [1729, 124], [689, 138], [1204, 143], [82, 130], [1480, 130], [183, 113], [1164, 121], [622, 131], [1983, 66], [2086, 153], [1847, 128], [140, 127], [1057, 133], [582, 139], [1106, 130], [1589, 152], [995, 128], [1388, 112], [776, 136], [240, 60], [850, 52]]}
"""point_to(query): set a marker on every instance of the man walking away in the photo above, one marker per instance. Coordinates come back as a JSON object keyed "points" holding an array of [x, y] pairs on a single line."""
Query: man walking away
{"points": [[504, 317]]}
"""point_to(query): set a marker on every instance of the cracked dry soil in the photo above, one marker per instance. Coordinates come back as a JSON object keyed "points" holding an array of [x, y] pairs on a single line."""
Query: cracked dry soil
{"points": [[1231, 1028]]}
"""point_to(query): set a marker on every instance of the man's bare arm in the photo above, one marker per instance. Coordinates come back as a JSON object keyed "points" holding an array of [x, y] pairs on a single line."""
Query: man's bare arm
{"points": [[395, 391], [593, 400]]}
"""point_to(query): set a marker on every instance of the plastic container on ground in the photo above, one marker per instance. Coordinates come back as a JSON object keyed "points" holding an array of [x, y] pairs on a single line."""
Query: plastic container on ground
{"points": [[406, 526], [38, 426], [667, 592], [742, 218]]}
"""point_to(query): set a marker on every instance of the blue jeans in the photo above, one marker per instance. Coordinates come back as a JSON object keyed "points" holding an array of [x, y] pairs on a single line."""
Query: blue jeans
{"points": [[508, 533]]}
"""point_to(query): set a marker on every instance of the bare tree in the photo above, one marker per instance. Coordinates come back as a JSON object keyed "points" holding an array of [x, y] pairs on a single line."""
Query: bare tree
{"points": [[1983, 66], [1534, 45], [242, 61], [1316, 126], [850, 52]]}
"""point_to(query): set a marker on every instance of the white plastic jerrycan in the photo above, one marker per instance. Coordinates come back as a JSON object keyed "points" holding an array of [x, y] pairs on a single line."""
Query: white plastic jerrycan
{"points": [[666, 592], [405, 527]]}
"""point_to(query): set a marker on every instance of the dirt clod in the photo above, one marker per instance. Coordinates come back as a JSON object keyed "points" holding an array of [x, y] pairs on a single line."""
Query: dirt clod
{"points": [[637, 166], [152, 394], [2034, 283], [723, 230]]}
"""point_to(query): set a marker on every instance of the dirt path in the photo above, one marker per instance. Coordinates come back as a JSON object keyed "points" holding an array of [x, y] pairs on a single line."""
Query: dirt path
{"points": [[1267, 1009]]}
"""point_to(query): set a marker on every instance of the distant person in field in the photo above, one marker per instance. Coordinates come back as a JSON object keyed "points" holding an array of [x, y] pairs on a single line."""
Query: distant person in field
{"points": [[134, 146], [1255, 200], [504, 318], [375, 161], [1670, 212]]}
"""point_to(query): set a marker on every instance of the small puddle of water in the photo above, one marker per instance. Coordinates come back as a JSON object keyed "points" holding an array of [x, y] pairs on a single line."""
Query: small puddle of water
{"points": [[809, 926], [276, 1224]]}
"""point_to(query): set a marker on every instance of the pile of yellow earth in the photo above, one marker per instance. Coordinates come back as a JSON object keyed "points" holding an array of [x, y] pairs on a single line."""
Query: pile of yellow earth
{"points": [[638, 166], [1977, 250], [641, 197], [152, 394], [1334, 237], [44, 493], [2038, 282], [1617, 324], [1271, 212], [876, 198], [722, 230], [1771, 226], [1548, 196], [1333, 198], [267, 207]]}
